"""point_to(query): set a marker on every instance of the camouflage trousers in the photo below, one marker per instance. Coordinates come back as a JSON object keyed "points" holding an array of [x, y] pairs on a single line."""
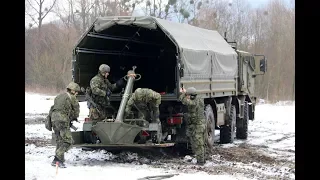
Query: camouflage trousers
{"points": [[196, 134], [147, 113], [63, 138], [144, 114]]}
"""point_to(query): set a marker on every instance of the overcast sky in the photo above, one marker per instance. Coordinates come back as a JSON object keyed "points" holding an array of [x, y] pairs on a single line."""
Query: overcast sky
{"points": [[52, 16]]}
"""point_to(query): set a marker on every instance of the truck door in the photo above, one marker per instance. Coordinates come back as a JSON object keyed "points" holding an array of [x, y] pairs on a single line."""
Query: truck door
{"points": [[250, 73], [244, 75]]}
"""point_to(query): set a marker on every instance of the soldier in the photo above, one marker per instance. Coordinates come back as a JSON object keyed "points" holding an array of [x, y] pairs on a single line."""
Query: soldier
{"points": [[101, 89], [195, 122], [146, 100], [65, 109]]}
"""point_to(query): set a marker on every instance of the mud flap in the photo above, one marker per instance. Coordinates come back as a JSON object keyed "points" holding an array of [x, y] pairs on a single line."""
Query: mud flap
{"points": [[116, 132]]}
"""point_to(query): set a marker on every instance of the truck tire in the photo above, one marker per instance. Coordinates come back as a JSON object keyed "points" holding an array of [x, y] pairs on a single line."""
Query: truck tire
{"points": [[227, 132], [210, 126], [242, 131]]}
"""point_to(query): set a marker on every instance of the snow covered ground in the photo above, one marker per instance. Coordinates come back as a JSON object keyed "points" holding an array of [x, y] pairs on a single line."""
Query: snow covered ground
{"points": [[268, 153]]}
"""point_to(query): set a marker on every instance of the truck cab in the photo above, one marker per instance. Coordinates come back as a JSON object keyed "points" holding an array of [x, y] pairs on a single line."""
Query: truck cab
{"points": [[250, 65]]}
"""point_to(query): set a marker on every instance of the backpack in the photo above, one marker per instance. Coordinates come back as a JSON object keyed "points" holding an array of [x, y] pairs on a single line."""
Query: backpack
{"points": [[47, 122]]}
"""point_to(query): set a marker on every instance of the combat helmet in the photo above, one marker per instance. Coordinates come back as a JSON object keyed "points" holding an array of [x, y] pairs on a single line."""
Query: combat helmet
{"points": [[73, 86], [103, 68], [191, 91]]}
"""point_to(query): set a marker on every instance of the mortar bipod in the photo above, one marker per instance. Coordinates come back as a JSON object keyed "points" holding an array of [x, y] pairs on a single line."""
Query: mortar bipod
{"points": [[127, 92]]}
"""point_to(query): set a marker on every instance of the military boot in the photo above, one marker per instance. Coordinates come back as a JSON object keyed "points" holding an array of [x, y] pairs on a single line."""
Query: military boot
{"points": [[53, 163], [201, 162], [60, 163]]}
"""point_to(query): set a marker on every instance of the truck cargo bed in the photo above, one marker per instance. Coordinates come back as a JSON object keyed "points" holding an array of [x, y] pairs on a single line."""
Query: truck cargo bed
{"points": [[122, 47], [167, 55]]}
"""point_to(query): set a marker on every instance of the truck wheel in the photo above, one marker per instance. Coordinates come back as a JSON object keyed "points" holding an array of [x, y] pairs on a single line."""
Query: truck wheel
{"points": [[227, 132], [242, 124], [210, 126]]}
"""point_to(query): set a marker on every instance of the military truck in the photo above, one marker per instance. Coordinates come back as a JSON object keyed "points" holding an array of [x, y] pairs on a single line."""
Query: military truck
{"points": [[168, 55]]}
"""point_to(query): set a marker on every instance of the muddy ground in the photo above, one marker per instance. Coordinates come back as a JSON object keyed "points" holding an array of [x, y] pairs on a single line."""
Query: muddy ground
{"points": [[241, 158]]}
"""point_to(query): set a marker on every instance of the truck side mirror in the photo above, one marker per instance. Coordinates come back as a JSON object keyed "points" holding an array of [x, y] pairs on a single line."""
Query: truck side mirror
{"points": [[260, 64], [263, 65]]}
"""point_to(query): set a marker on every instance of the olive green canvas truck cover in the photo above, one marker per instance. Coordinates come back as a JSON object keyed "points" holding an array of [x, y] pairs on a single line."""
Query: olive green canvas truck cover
{"points": [[204, 54], [167, 54]]}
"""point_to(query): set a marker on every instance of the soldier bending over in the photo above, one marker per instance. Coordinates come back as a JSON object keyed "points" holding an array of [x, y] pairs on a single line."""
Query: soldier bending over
{"points": [[145, 100]]}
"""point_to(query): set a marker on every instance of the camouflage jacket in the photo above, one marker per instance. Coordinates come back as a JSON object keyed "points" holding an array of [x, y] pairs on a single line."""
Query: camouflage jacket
{"points": [[195, 110], [99, 87], [144, 96], [66, 107]]}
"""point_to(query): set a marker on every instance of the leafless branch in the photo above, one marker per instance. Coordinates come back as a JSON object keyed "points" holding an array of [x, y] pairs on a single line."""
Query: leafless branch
{"points": [[32, 6], [38, 3], [49, 10], [92, 5], [32, 18]]}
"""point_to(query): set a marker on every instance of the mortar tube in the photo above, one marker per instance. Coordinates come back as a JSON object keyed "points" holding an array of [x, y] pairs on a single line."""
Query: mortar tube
{"points": [[125, 98]]}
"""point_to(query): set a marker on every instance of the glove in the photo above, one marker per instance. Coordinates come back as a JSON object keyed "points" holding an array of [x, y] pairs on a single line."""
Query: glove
{"points": [[72, 126], [76, 120], [73, 119], [121, 83], [108, 93]]}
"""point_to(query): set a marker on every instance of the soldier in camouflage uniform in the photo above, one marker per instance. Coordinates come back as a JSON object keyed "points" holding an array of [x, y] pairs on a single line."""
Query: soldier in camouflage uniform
{"points": [[195, 122], [145, 100], [147, 103], [65, 109], [101, 89]]}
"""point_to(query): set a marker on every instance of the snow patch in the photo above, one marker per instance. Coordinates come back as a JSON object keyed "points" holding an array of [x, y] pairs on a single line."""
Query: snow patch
{"points": [[273, 129], [39, 104]]}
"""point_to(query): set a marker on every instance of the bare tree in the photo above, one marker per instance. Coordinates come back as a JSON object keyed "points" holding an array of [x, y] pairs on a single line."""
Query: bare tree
{"points": [[52, 67], [273, 28], [66, 14], [157, 8], [82, 13], [41, 11], [268, 30]]}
